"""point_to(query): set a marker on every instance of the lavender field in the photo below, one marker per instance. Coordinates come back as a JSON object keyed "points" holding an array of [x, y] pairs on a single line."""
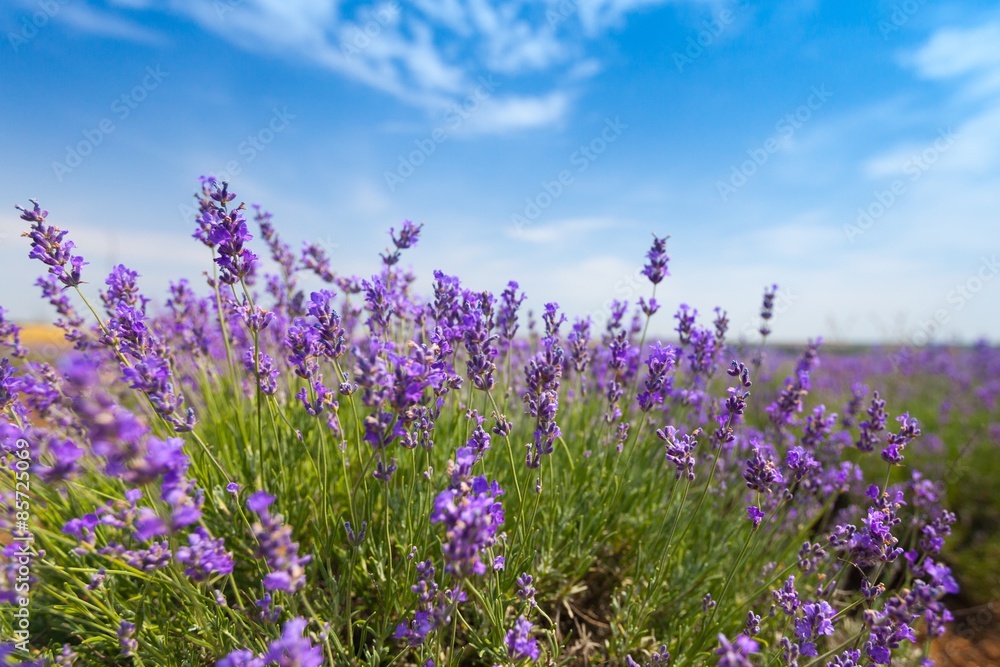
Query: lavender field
{"points": [[245, 472]]}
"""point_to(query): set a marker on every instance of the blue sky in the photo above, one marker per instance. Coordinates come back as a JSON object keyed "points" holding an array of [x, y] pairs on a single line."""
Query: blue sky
{"points": [[849, 152]]}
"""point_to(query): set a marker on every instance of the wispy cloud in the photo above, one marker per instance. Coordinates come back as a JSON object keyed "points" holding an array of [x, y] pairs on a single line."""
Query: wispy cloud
{"points": [[425, 53], [953, 52], [515, 112], [560, 231], [91, 21]]}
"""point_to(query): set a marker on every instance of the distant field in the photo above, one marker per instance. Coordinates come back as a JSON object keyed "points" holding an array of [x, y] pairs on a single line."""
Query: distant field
{"points": [[36, 336]]}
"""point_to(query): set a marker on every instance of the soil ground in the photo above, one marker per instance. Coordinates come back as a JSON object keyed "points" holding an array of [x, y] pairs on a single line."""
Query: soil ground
{"points": [[973, 640]]}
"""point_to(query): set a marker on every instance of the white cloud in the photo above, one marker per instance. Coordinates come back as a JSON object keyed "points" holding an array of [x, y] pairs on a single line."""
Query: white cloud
{"points": [[560, 231], [949, 163], [953, 52], [91, 21], [428, 53], [497, 115]]}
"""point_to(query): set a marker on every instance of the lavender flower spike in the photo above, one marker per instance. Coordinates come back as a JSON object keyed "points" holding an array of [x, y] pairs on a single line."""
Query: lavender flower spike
{"points": [[520, 644], [49, 247], [656, 268], [736, 653], [277, 548]]}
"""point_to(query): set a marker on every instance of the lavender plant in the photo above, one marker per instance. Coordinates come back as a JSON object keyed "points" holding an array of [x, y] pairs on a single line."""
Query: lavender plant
{"points": [[255, 473]]}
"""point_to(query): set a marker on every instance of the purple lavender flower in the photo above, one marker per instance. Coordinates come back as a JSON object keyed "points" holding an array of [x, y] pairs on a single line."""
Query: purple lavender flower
{"points": [[767, 310], [204, 556], [660, 658], [384, 470], [331, 338], [166, 458], [67, 658], [656, 267], [478, 337], [887, 629], [315, 259], [786, 597], [817, 428], [48, 245], [520, 643], [281, 253], [660, 362], [269, 612], [408, 237], [123, 289], [897, 442], [506, 321], [579, 340], [254, 317], [471, 521], [685, 317], [679, 450], [69, 319], [479, 441], [649, 308], [10, 384], [811, 556], [790, 400], [525, 590], [263, 370], [126, 639], [379, 302], [293, 648], [65, 456], [302, 343], [853, 406], [736, 653], [849, 658], [424, 622], [152, 376], [721, 324], [240, 658], [871, 427], [10, 335], [816, 621], [276, 547], [761, 474], [546, 429], [226, 231]]}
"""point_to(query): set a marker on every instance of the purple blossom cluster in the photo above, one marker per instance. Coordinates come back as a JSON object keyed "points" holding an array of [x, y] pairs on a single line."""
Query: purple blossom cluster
{"points": [[315, 393], [293, 649], [276, 547]]}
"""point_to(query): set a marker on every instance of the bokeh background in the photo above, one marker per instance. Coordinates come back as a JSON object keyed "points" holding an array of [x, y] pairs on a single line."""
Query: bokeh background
{"points": [[845, 151]]}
